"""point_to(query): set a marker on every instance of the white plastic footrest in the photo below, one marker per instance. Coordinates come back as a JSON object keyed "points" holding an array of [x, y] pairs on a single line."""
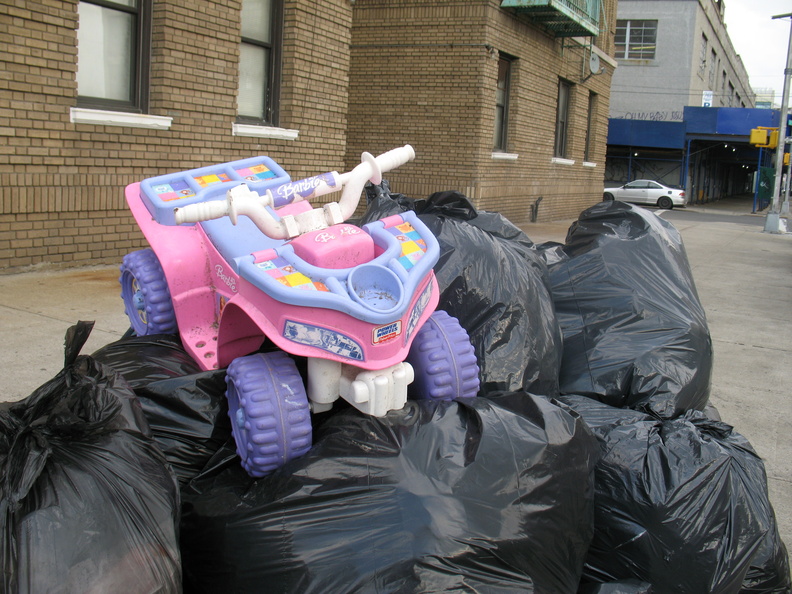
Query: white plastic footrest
{"points": [[371, 392]]}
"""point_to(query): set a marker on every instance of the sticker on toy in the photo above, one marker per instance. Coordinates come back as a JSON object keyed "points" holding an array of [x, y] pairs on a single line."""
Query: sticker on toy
{"points": [[415, 314], [324, 339], [305, 188], [387, 332]]}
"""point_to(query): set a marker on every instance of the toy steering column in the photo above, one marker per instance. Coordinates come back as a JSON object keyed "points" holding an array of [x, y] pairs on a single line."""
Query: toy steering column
{"points": [[242, 200]]}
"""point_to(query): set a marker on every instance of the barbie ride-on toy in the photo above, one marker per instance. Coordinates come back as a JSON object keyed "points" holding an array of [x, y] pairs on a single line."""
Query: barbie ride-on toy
{"points": [[240, 258]]}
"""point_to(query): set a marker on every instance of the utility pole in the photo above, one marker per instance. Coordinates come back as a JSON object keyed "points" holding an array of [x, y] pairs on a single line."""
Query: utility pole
{"points": [[773, 223]]}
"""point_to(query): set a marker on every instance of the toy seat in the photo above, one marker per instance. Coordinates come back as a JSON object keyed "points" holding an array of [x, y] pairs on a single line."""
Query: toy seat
{"points": [[340, 246], [393, 257]]}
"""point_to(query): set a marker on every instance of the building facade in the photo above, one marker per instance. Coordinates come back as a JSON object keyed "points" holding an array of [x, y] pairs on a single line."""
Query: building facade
{"points": [[94, 97], [498, 98], [676, 61], [673, 54], [498, 106]]}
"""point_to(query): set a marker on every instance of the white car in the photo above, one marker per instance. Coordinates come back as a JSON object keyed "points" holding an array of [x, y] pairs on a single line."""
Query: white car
{"points": [[646, 191]]}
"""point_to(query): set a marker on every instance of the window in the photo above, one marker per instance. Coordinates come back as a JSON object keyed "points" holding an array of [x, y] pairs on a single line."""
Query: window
{"points": [[502, 102], [562, 119], [636, 40], [590, 121], [259, 61], [703, 56], [713, 68], [113, 54]]}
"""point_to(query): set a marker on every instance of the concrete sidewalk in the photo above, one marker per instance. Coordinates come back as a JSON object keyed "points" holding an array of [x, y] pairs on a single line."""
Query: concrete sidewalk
{"points": [[744, 280], [743, 275]]}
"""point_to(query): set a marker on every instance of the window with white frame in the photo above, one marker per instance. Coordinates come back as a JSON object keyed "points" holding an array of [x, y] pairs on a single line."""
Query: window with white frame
{"points": [[636, 39], [259, 62], [113, 43]]}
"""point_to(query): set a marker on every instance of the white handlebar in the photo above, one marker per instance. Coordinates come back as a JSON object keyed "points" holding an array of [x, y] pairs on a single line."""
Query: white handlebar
{"points": [[393, 159], [370, 169], [201, 211], [241, 200]]}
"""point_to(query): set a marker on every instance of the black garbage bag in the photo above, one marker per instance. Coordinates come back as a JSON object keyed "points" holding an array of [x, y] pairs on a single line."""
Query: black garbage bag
{"points": [[769, 570], [623, 587], [493, 280], [185, 407], [142, 360], [88, 501], [681, 504], [470, 495], [635, 332]]}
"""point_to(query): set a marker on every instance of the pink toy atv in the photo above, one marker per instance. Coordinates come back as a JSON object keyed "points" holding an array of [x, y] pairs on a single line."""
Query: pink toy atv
{"points": [[238, 257]]}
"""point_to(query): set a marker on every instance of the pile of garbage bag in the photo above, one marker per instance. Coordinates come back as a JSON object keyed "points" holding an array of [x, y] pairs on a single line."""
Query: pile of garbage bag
{"points": [[635, 333], [474, 495], [185, 407], [494, 281], [89, 503], [589, 462], [680, 504], [681, 500]]}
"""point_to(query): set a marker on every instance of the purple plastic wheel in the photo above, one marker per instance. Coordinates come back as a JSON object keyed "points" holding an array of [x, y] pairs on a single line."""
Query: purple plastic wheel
{"points": [[270, 417], [147, 300], [444, 361]]}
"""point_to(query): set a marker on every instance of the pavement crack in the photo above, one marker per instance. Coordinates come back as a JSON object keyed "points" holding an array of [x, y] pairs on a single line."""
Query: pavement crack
{"points": [[753, 346]]}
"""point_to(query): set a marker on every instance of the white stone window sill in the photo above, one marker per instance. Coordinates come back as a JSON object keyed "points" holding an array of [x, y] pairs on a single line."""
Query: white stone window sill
{"points": [[498, 156], [589, 164], [264, 132], [100, 117], [560, 161]]}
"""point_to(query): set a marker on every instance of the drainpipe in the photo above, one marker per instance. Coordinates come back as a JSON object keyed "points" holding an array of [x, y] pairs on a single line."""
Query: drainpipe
{"points": [[535, 209]]}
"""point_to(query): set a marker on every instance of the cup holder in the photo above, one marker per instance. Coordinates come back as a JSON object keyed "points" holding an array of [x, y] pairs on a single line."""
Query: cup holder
{"points": [[375, 287]]}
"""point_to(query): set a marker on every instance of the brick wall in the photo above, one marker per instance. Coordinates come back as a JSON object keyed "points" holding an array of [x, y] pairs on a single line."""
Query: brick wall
{"points": [[61, 184], [426, 74], [416, 71]]}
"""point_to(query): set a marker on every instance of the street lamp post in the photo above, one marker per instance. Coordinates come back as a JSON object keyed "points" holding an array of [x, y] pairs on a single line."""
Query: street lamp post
{"points": [[773, 223]]}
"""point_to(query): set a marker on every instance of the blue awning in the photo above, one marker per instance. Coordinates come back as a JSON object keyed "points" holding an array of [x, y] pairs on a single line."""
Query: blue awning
{"points": [[699, 122], [646, 133]]}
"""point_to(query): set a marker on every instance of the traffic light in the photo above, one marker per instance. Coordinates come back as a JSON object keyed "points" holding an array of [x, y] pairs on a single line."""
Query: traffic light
{"points": [[759, 136], [764, 137], [786, 158]]}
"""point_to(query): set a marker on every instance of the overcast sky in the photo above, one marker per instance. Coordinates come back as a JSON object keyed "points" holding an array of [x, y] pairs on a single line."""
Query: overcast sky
{"points": [[761, 42]]}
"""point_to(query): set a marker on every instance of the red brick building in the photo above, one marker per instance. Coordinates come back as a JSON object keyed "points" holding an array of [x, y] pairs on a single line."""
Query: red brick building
{"points": [[497, 96]]}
